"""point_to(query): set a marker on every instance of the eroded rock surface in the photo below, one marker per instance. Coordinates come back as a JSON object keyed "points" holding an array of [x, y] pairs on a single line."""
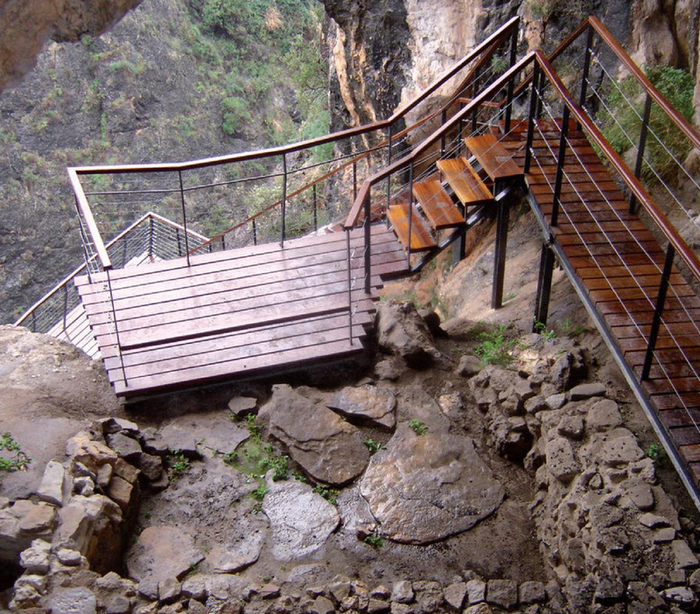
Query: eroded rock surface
{"points": [[366, 404], [300, 520], [425, 488], [328, 448]]}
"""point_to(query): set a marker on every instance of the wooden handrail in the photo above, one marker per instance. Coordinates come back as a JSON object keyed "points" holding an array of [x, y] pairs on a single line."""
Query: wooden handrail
{"points": [[642, 79], [619, 165], [86, 214], [353, 216]]}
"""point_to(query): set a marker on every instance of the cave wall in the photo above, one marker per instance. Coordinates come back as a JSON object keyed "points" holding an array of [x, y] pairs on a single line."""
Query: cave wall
{"points": [[27, 25], [383, 52]]}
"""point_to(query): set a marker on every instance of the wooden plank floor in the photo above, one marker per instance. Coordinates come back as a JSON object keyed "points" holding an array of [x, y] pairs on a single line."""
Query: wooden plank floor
{"points": [[619, 262], [236, 312]]}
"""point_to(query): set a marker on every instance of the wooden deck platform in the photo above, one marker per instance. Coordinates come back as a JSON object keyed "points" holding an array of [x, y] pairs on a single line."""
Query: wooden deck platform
{"points": [[236, 313], [618, 262]]}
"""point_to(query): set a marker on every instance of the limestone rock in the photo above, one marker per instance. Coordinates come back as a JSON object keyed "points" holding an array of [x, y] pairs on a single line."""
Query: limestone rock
{"points": [[177, 438], [532, 592], [425, 488], [367, 404], [561, 460], [82, 448], [300, 520], [503, 593], [36, 558], [72, 601], [468, 365], [402, 332], [604, 415], [237, 556], [456, 594], [53, 487], [125, 446], [162, 552], [620, 448], [241, 406], [684, 557], [403, 592], [328, 448], [586, 391], [476, 591], [34, 519]]}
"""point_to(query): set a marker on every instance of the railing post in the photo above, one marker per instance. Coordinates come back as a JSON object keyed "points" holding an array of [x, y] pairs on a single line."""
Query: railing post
{"points": [[349, 259], [368, 248], [443, 138], [284, 196], [544, 286], [150, 238], [410, 214], [33, 321], [509, 91], [184, 218], [116, 327], [586, 68], [316, 209], [255, 232], [65, 308], [561, 159], [499, 256], [354, 180], [179, 242], [658, 311], [475, 112], [534, 97], [388, 179], [640, 148]]}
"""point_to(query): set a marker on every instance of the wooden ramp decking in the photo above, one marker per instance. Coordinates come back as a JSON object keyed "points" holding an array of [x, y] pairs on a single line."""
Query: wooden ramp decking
{"points": [[619, 263], [237, 312]]}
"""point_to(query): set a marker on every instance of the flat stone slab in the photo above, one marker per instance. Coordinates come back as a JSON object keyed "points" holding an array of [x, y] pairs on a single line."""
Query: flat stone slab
{"points": [[236, 556], [425, 488], [300, 520], [366, 404], [162, 552], [328, 448]]}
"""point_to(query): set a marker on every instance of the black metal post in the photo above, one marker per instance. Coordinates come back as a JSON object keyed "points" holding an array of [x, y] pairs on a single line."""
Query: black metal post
{"points": [[349, 258], [534, 97], [410, 214], [509, 91], [639, 163], [658, 311], [151, 230], [284, 197], [443, 142], [540, 87], [354, 180], [561, 159], [316, 209], [544, 286], [116, 327], [179, 242], [255, 232], [388, 179], [223, 243], [586, 68], [65, 307], [368, 248], [499, 264], [184, 218], [475, 113]]}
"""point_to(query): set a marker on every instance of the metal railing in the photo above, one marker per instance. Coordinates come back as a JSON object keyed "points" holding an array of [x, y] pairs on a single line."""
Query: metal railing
{"points": [[151, 237]]}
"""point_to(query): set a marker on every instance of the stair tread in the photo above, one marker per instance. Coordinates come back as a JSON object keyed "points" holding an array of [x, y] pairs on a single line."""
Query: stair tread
{"points": [[493, 157], [464, 181], [437, 204], [421, 237]]}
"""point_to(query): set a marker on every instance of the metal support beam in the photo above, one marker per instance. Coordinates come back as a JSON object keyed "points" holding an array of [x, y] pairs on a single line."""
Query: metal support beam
{"points": [[534, 98], [639, 163], [499, 264], [544, 286]]}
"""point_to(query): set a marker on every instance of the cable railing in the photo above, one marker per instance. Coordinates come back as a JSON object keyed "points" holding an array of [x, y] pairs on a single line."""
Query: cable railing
{"points": [[276, 194], [150, 238]]}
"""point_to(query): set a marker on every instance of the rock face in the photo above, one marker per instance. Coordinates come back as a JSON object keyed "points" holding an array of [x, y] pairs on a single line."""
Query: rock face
{"points": [[425, 488], [329, 449], [367, 404], [162, 552], [300, 520], [26, 25], [402, 332]]}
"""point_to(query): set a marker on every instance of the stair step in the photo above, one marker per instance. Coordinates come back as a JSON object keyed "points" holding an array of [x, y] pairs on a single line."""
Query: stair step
{"points": [[437, 204], [421, 237], [464, 181], [493, 157]]}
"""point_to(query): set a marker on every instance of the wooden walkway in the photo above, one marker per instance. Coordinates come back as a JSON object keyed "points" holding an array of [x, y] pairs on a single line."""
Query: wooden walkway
{"points": [[619, 263], [237, 312]]}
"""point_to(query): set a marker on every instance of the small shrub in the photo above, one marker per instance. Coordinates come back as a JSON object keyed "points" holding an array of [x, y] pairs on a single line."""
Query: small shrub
{"points": [[231, 458], [418, 427], [373, 446], [329, 494], [179, 465], [494, 348], [656, 452], [376, 540], [18, 460], [541, 330], [235, 115], [259, 493]]}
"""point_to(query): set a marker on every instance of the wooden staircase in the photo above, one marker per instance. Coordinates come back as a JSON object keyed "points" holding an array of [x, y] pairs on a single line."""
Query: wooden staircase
{"points": [[441, 201]]}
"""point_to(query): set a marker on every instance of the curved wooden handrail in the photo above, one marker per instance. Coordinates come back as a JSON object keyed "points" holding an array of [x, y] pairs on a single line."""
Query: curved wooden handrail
{"points": [[620, 167], [354, 214], [642, 79]]}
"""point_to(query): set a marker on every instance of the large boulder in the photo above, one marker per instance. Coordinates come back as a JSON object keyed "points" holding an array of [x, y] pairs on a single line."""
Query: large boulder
{"points": [[328, 448], [402, 332], [366, 404], [423, 488], [300, 520]]}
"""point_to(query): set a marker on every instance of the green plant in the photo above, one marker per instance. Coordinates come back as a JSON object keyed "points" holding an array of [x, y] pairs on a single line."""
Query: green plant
{"points": [[179, 465], [251, 423], [656, 452], [259, 492], [231, 458], [418, 427], [541, 330], [572, 331], [372, 446], [329, 494], [375, 539], [235, 115], [495, 348], [299, 476], [18, 460]]}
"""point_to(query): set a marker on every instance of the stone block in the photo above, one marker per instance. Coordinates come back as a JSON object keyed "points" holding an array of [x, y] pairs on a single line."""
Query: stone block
{"points": [[503, 593], [54, 486]]}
